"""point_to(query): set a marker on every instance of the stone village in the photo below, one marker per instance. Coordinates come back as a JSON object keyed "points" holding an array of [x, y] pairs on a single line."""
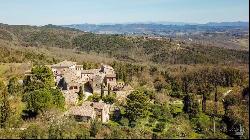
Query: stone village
{"points": [[70, 77]]}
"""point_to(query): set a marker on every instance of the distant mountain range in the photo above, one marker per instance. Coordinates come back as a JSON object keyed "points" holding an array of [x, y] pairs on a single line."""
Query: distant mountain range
{"points": [[157, 28], [160, 22], [237, 24]]}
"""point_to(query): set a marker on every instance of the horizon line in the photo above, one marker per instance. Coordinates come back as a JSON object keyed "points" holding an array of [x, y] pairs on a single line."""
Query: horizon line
{"points": [[136, 22]]}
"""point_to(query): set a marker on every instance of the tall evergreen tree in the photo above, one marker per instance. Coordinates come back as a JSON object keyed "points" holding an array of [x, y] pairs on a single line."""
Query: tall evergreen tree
{"points": [[13, 86], [4, 108], [102, 91], [109, 89], [80, 94], [137, 105]]}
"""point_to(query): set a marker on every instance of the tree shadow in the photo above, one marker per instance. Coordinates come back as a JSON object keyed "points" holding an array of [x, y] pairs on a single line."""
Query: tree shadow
{"points": [[28, 114]]}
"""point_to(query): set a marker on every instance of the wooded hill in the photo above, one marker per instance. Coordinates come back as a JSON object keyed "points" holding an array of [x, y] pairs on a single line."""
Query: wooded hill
{"points": [[124, 48]]}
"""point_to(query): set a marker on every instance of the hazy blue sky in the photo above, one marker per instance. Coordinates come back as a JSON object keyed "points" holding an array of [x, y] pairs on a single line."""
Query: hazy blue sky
{"points": [[40, 12]]}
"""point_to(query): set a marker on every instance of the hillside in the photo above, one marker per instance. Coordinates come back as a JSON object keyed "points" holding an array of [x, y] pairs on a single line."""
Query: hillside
{"points": [[123, 48], [170, 28], [224, 34]]}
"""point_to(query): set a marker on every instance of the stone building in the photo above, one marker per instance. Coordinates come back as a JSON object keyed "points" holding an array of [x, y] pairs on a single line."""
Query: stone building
{"points": [[84, 113], [110, 79], [69, 77], [90, 111], [102, 111]]}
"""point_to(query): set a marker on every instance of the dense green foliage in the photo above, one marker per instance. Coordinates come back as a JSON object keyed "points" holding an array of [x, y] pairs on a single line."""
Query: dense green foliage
{"points": [[38, 100], [4, 108], [96, 97], [14, 87], [9, 55], [80, 94], [109, 99], [147, 113], [39, 93], [136, 105], [95, 127], [158, 51], [43, 99], [41, 77]]}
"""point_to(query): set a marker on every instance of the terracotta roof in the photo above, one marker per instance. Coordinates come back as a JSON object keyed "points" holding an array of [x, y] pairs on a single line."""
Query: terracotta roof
{"points": [[110, 75], [90, 71], [99, 105], [64, 63], [107, 66], [82, 111], [87, 103], [71, 77], [87, 71], [70, 97], [27, 72], [97, 79]]}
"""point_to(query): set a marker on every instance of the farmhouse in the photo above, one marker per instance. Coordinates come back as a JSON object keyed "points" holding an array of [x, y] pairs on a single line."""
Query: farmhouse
{"points": [[64, 65], [110, 79], [102, 111], [83, 113], [91, 110]]}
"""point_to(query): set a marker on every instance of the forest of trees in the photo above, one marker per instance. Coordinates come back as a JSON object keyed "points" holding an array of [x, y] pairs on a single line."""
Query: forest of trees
{"points": [[132, 49], [173, 102]]}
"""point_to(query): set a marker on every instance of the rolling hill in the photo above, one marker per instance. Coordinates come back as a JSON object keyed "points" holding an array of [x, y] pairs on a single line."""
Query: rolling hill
{"points": [[119, 47]]}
